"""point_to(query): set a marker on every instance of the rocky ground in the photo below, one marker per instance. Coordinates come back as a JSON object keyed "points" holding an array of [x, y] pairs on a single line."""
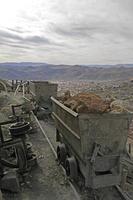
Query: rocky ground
{"points": [[46, 181]]}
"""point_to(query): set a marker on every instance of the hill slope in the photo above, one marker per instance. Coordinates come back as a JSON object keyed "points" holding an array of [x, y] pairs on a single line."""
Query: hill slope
{"points": [[44, 71]]}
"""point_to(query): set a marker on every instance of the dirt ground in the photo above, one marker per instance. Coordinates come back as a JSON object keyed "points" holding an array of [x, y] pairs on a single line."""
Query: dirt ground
{"points": [[46, 181]]}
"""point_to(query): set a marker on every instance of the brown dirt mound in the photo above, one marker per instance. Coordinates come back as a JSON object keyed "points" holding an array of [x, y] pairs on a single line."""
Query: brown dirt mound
{"points": [[87, 103]]}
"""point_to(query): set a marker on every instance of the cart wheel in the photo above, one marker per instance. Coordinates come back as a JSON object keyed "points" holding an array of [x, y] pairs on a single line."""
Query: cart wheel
{"points": [[19, 128], [71, 168], [61, 153]]}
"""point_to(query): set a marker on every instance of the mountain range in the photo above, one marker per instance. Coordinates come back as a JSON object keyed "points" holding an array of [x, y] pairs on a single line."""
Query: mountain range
{"points": [[45, 71]]}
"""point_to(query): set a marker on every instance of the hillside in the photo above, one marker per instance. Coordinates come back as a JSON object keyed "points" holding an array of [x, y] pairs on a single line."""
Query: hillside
{"points": [[44, 71]]}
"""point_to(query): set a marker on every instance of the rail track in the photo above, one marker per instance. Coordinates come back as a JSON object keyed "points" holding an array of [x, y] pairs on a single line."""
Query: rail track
{"points": [[109, 193], [54, 152]]}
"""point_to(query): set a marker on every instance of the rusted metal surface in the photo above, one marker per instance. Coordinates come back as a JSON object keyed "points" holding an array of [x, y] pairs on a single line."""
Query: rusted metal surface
{"points": [[43, 90], [108, 193], [81, 133]]}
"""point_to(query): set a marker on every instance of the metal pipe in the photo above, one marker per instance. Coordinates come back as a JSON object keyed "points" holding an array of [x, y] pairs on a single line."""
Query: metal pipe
{"points": [[8, 164], [16, 90]]}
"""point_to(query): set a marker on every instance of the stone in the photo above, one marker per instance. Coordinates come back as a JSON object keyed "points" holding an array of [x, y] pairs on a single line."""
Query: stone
{"points": [[10, 182]]}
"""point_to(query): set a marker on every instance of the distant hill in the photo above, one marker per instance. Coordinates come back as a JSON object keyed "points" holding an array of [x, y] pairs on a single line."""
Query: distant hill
{"points": [[45, 71]]}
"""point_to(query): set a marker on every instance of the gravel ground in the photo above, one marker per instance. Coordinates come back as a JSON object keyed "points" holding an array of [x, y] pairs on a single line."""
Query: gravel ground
{"points": [[46, 181], [50, 130]]}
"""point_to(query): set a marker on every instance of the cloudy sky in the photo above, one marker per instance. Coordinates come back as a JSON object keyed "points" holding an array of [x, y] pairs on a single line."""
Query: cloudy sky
{"points": [[67, 31]]}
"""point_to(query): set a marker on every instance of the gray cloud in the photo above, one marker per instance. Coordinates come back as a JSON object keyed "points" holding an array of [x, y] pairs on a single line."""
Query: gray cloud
{"points": [[27, 39], [6, 34], [90, 30], [19, 46], [36, 40], [12, 39], [75, 31], [16, 29]]}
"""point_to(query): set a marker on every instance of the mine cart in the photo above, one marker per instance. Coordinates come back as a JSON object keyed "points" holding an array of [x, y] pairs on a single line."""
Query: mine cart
{"points": [[41, 92], [91, 144]]}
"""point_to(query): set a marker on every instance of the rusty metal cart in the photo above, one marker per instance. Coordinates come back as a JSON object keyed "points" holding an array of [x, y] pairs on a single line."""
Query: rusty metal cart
{"points": [[92, 144]]}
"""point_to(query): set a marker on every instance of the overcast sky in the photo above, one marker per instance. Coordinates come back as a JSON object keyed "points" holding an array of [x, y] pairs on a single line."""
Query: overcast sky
{"points": [[67, 31]]}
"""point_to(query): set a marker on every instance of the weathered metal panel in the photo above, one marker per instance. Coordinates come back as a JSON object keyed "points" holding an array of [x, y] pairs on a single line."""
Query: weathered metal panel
{"points": [[83, 132], [67, 123], [69, 136], [108, 130], [43, 89], [69, 117], [105, 181]]}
